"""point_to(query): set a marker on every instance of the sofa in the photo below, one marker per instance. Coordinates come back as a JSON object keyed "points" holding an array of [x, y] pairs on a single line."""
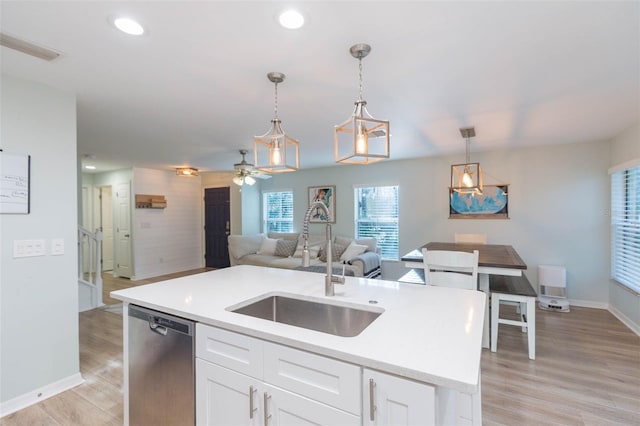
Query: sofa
{"points": [[360, 257]]}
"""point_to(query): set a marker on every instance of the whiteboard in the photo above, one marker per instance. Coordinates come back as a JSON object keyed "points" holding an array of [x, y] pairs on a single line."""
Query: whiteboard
{"points": [[14, 183]]}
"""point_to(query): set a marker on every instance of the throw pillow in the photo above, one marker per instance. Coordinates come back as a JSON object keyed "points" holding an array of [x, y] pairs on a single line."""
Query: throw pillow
{"points": [[285, 248], [241, 245], [345, 241], [353, 250], [336, 252], [268, 246]]}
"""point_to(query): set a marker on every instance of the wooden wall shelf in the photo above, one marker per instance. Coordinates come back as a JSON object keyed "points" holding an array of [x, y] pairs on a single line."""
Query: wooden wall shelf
{"points": [[144, 201]]}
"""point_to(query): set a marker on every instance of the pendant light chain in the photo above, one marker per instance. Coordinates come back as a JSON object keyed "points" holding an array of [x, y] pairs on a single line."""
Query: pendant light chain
{"points": [[360, 75], [275, 108], [468, 150]]}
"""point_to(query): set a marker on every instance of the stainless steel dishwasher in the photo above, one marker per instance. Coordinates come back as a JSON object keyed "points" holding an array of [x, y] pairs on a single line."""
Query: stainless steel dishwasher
{"points": [[161, 369]]}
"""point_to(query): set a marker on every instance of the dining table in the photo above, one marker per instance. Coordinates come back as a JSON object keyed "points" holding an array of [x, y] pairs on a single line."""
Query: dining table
{"points": [[493, 259]]}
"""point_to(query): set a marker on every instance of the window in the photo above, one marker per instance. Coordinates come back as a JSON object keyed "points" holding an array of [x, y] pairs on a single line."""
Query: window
{"points": [[277, 208], [377, 216], [625, 227]]}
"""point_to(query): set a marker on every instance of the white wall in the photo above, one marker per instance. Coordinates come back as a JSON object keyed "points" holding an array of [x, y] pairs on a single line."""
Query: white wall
{"points": [[558, 206], [624, 303], [167, 240], [39, 295]]}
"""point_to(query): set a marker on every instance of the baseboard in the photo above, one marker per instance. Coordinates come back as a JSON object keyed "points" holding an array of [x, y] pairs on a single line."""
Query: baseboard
{"points": [[625, 320], [588, 304], [38, 395]]}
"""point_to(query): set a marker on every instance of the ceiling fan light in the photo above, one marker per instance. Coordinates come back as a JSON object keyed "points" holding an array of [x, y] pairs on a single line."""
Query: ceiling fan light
{"points": [[238, 180], [249, 180]]}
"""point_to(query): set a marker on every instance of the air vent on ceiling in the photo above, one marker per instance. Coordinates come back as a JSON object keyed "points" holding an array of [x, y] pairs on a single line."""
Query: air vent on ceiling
{"points": [[28, 48]]}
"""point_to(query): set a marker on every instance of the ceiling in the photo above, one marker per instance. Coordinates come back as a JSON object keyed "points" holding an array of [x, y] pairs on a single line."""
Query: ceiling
{"points": [[193, 89]]}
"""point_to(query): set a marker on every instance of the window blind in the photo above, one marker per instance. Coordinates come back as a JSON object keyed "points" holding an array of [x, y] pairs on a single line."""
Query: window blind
{"points": [[625, 227], [277, 208], [377, 216]]}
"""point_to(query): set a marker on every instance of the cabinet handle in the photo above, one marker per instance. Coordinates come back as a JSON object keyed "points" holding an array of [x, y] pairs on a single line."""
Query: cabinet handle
{"points": [[267, 416], [372, 407], [252, 409]]}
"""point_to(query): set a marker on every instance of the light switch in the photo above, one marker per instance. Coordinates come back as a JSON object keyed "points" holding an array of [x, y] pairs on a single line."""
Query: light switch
{"points": [[29, 248], [57, 246], [39, 247], [19, 248]]}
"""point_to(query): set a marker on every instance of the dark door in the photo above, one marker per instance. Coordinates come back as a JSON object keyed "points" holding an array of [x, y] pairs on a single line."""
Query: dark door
{"points": [[216, 227]]}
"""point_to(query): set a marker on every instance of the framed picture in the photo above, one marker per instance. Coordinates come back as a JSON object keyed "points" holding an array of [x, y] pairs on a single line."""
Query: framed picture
{"points": [[15, 175], [326, 194], [493, 203]]}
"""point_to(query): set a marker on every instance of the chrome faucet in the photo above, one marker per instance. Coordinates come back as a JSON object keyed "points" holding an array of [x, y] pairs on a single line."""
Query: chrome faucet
{"points": [[329, 279]]}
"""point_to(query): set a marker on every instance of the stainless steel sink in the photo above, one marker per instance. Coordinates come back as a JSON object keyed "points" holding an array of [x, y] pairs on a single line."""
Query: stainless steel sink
{"points": [[334, 319]]}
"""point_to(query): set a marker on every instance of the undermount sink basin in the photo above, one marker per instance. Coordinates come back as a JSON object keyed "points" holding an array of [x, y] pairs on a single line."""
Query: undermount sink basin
{"points": [[338, 320]]}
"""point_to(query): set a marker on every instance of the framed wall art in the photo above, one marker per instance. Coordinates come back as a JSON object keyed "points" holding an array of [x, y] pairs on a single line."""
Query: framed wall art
{"points": [[15, 171], [493, 203], [326, 194]]}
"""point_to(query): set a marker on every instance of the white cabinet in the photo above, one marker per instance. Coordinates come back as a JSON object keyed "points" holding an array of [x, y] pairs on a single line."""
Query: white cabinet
{"points": [[241, 380], [224, 397], [394, 401]]}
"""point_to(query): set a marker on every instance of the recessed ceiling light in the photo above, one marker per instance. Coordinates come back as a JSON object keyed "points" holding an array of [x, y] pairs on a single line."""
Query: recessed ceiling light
{"points": [[291, 19], [129, 26], [90, 167]]}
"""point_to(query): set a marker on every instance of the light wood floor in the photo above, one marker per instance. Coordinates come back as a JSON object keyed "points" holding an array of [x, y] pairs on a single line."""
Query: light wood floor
{"points": [[586, 372]]}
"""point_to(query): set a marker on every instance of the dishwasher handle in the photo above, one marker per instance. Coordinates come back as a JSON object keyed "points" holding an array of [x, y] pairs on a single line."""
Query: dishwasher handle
{"points": [[157, 328], [161, 323]]}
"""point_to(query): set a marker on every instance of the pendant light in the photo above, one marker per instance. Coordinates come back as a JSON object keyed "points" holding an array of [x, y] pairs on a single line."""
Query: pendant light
{"points": [[361, 139], [275, 151], [467, 178]]}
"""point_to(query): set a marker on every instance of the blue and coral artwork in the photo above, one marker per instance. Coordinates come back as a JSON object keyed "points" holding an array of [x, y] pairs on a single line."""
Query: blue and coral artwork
{"points": [[493, 203]]}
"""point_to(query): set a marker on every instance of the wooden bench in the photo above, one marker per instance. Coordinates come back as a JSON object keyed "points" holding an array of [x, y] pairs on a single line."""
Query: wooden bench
{"points": [[519, 290]]}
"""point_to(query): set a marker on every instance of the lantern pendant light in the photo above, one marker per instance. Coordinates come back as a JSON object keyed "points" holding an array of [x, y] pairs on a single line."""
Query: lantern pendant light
{"points": [[361, 139], [467, 178], [275, 151]]}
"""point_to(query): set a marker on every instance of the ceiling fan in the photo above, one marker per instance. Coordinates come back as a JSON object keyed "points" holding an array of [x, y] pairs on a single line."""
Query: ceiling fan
{"points": [[245, 172]]}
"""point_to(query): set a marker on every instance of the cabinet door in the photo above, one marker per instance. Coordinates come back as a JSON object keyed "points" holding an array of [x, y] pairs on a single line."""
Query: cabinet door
{"points": [[394, 401], [284, 408], [225, 397]]}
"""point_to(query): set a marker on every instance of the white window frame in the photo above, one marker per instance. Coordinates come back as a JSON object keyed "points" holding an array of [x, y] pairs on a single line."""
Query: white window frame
{"points": [[625, 224], [390, 248], [282, 220]]}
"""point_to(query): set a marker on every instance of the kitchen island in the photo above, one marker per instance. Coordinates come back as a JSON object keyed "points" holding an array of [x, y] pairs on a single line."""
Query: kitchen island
{"points": [[424, 335]]}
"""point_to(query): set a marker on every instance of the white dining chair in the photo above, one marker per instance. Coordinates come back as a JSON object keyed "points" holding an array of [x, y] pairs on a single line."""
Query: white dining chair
{"points": [[470, 238], [457, 269], [482, 239]]}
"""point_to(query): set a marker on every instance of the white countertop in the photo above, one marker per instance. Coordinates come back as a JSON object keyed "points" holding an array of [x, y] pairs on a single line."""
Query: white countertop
{"points": [[430, 334]]}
